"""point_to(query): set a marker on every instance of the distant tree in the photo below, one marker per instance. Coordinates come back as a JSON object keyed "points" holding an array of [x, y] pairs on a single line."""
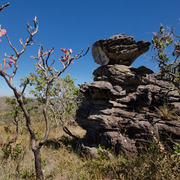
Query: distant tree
{"points": [[65, 96], [65, 100], [16, 111], [50, 74], [166, 48]]}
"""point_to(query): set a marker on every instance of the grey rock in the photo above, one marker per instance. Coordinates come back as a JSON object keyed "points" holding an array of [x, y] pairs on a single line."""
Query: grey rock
{"points": [[118, 112], [122, 107], [118, 49]]}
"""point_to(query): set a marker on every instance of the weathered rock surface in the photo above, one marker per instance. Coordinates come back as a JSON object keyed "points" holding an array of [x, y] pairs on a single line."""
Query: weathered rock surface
{"points": [[118, 109], [118, 49]]}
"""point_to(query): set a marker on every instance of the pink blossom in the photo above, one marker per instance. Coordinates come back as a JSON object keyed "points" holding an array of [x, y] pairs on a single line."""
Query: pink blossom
{"points": [[2, 32], [64, 50], [8, 65], [11, 60], [63, 60], [66, 57]]}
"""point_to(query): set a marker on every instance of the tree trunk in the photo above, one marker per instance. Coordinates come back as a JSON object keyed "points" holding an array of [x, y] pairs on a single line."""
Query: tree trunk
{"points": [[38, 167], [16, 122], [17, 128]]}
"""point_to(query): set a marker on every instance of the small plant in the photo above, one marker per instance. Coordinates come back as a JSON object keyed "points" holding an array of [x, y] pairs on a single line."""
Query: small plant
{"points": [[7, 129], [16, 151], [165, 111], [27, 174], [103, 153], [38, 135], [9, 151], [6, 148], [176, 151]]}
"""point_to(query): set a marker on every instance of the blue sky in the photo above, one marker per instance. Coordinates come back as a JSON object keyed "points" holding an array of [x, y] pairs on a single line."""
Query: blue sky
{"points": [[78, 24]]}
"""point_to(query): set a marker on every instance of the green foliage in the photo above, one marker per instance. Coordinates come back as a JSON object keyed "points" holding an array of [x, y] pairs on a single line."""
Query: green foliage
{"points": [[38, 135], [16, 112], [7, 129], [176, 151], [27, 173], [7, 149], [64, 95], [16, 150], [11, 150], [103, 153], [166, 48]]}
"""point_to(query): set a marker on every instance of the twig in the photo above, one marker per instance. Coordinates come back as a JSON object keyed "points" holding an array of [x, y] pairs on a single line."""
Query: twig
{"points": [[26, 83], [3, 6]]}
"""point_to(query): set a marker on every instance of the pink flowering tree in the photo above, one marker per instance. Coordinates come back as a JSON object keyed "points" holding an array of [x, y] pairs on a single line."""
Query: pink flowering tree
{"points": [[51, 74]]}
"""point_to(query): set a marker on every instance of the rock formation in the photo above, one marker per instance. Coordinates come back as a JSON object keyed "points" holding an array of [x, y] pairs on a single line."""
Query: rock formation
{"points": [[122, 109], [118, 49]]}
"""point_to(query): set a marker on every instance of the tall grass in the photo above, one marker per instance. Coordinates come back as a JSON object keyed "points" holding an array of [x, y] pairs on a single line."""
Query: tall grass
{"points": [[61, 160]]}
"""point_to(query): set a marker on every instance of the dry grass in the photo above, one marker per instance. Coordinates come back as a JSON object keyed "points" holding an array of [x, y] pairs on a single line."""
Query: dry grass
{"points": [[61, 160], [56, 162], [165, 111]]}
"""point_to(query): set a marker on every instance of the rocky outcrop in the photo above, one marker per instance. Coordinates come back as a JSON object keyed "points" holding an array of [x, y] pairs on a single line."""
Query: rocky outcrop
{"points": [[118, 49], [122, 109]]}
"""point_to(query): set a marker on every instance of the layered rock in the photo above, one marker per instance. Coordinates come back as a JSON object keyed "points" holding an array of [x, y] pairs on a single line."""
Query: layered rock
{"points": [[118, 49], [120, 109]]}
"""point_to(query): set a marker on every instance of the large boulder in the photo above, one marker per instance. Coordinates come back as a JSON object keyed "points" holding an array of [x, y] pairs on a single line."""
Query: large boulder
{"points": [[118, 49], [120, 111]]}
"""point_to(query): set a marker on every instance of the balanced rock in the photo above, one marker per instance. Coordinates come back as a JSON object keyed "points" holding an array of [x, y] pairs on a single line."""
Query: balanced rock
{"points": [[118, 49], [126, 108]]}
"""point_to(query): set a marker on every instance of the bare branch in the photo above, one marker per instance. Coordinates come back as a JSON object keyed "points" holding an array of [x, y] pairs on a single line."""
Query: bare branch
{"points": [[67, 131], [80, 54], [3, 6], [172, 31], [52, 62], [4, 62], [15, 50], [20, 40], [48, 55], [25, 85]]}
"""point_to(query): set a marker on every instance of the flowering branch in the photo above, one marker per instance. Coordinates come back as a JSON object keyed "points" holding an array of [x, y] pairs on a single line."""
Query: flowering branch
{"points": [[9, 60], [51, 74]]}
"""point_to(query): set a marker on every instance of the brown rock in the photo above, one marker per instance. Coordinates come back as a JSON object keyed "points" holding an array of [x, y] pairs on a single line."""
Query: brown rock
{"points": [[119, 112], [118, 49], [122, 108]]}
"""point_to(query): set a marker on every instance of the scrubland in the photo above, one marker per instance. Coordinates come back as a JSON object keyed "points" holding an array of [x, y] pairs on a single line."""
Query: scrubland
{"points": [[62, 160]]}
